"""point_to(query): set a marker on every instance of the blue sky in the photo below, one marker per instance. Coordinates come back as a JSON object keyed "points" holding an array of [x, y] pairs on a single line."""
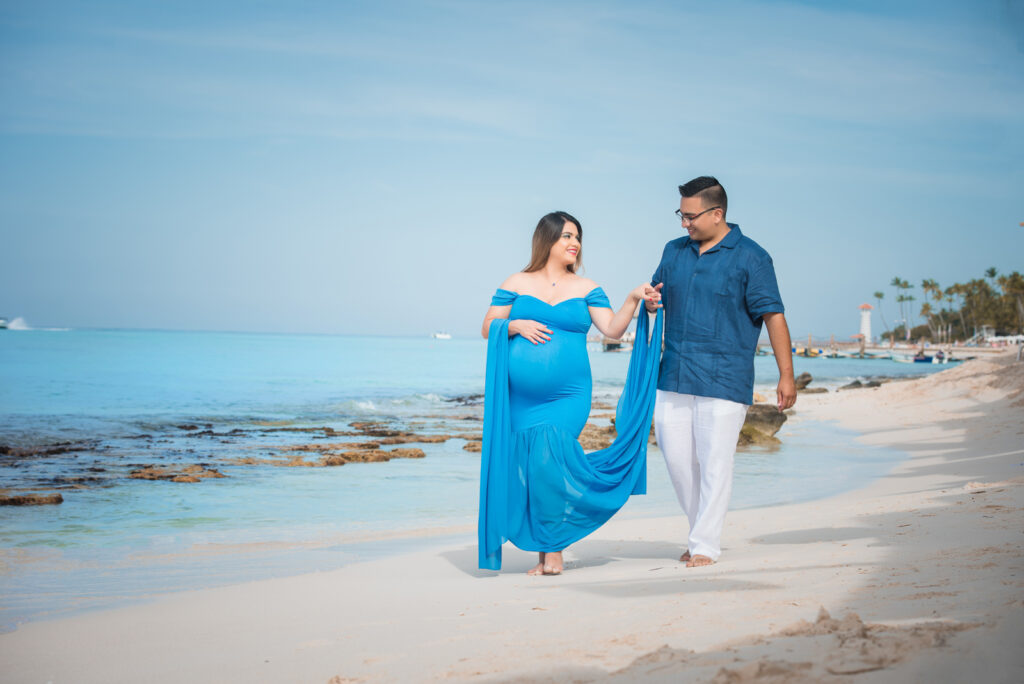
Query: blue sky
{"points": [[379, 167]]}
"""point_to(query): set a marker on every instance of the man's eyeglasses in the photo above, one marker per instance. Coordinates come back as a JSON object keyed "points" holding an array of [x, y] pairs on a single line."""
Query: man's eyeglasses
{"points": [[689, 218]]}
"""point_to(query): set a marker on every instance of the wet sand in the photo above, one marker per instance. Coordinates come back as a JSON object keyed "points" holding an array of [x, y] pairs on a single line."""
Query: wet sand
{"points": [[917, 576]]}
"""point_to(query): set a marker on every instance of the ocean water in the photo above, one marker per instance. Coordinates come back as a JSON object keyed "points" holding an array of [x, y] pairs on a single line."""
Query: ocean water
{"points": [[107, 402]]}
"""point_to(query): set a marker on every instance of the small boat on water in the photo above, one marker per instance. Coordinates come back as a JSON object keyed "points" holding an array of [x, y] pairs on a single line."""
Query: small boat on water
{"points": [[921, 357], [3, 323], [441, 336], [611, 344]]}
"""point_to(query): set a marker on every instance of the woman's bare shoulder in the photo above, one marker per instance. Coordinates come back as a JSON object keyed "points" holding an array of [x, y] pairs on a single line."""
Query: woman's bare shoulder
{"points": [[585, 285]]}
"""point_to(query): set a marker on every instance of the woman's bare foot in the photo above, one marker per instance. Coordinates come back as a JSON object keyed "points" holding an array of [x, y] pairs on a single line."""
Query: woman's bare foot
{"points": [[685, 558], [538, 569], [553, 563], [699, 561]]}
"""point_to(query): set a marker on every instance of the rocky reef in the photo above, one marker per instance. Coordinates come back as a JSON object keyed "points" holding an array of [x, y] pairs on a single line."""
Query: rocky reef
{"points": [[30, 499]]}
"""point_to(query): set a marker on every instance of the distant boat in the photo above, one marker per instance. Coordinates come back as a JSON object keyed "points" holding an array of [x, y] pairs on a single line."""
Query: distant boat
{"points": [[3, 323], [924, 358], [611, 344], [442, 336]]}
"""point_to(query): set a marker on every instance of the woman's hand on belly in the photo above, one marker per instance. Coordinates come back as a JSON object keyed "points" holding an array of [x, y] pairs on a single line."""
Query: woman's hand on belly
{"points": [[533, 331]]}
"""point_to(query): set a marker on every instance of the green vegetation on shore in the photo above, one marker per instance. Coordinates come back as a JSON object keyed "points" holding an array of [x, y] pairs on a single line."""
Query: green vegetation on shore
{"points": [[960, 311]]}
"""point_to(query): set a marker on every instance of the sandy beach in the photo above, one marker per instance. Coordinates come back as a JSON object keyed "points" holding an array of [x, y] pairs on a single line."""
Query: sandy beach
{"points": [[918, 576]]}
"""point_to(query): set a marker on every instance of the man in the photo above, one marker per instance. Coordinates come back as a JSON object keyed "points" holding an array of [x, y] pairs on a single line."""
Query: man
{"points": [[717, 286]]}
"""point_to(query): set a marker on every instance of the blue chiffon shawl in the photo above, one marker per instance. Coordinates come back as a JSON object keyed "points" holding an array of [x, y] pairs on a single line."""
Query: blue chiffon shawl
{"points": [[602, 480]]}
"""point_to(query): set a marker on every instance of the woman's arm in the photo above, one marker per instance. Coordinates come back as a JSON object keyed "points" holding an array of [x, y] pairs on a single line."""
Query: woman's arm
{"points": [[536, 332], [493, 313], [614, 325]]}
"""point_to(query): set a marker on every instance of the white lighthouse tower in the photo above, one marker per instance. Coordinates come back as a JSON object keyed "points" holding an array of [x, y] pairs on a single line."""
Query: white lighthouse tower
{"points": [[865, 322]]}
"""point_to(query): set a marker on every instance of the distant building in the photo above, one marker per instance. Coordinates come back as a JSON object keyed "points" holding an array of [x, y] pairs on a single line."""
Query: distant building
{"points": [[865, 322]]}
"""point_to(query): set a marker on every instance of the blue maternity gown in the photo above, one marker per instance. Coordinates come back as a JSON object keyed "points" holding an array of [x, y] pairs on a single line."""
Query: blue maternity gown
{"points": [[538, 489]]}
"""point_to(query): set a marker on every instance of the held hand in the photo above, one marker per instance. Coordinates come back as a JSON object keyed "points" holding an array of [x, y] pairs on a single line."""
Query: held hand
{"points": [[531, 330], [652, 297], [786, 392]]}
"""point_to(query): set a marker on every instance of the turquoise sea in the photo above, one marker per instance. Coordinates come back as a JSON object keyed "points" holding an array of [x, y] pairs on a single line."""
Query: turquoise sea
{"points": [[81, 409]]}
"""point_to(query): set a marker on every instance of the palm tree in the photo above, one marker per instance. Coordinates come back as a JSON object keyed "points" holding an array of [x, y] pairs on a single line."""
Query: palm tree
{"points": [[926, 312], [909, 299], [931, 288], [879, 296], [898, 284], [949, 299], [1013, 287], [956, 290]]}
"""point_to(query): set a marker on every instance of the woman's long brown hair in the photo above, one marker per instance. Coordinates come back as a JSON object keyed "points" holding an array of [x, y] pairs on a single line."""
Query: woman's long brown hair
{"points": [[549, 231]]}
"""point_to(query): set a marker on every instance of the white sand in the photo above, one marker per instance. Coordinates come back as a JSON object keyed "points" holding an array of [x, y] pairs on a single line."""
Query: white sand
{"points": [[929, 560]]}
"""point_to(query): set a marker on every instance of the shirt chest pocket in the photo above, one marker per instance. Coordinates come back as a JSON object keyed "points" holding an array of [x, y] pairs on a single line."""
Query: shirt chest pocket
{"points": [[702, 310], [730, 301]]}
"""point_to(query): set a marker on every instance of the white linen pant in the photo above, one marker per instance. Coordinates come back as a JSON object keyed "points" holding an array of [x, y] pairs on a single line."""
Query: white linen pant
{"points": [[698, 437]]}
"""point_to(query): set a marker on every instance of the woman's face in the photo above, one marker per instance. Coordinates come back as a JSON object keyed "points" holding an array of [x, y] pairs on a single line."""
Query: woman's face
{"points": [[567, 247]]}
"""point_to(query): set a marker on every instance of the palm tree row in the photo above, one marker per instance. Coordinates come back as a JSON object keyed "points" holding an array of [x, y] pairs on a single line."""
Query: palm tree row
{"points": [[959, 311]]}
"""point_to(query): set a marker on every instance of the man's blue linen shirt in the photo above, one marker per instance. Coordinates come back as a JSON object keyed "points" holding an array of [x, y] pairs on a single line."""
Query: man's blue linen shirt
{"points": [[713, 308]]}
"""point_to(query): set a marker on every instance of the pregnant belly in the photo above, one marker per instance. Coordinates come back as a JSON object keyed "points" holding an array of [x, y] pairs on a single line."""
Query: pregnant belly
{"points": [[550, 383]]}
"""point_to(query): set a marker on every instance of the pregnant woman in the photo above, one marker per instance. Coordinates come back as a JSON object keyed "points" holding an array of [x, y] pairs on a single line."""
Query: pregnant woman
{"points": [[538, 489]]}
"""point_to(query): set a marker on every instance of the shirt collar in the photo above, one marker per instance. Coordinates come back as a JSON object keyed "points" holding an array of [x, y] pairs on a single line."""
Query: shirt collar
{"points": [[731, 239]]}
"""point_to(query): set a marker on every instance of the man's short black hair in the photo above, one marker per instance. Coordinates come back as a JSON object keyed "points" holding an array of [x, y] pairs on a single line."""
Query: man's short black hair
{"points": [[710, 191]]}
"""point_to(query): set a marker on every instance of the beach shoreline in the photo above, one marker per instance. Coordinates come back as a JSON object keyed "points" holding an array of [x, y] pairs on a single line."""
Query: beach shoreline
{"points": [[928, 556]]}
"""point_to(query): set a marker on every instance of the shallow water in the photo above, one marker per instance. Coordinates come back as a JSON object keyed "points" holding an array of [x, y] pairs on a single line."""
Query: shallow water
{"points": [[129, 398]]}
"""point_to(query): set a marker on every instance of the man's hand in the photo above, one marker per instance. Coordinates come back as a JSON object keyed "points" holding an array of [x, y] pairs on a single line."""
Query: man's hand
{"points": [[786, 392], [778, 333], [652, 297]]}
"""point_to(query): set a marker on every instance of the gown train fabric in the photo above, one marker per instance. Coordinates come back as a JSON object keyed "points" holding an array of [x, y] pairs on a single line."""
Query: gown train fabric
{"points": [[538, 489]]}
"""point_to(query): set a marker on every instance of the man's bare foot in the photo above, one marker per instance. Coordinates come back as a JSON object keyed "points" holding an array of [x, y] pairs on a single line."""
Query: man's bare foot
{"points": [[538, 569], [685, 558], [553, 563], [699, 561]]}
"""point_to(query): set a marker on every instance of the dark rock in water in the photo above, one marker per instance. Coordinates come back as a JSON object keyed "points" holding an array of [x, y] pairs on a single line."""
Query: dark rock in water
{"points": [[192, 473], [760, 425], [415, 439], [750, 436], [803, 380], [466, 399], [473, 447], [375, 429], [369, 456], [325, 447], [407, 453], [857, 384], [593, 437], [765, 417], [47, 449], [187, 426], [813, 390], [31, 500], [328, 431]]}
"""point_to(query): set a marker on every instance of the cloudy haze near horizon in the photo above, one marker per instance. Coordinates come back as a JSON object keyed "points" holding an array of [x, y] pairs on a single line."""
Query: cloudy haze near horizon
{"points": [[378, 168]]}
